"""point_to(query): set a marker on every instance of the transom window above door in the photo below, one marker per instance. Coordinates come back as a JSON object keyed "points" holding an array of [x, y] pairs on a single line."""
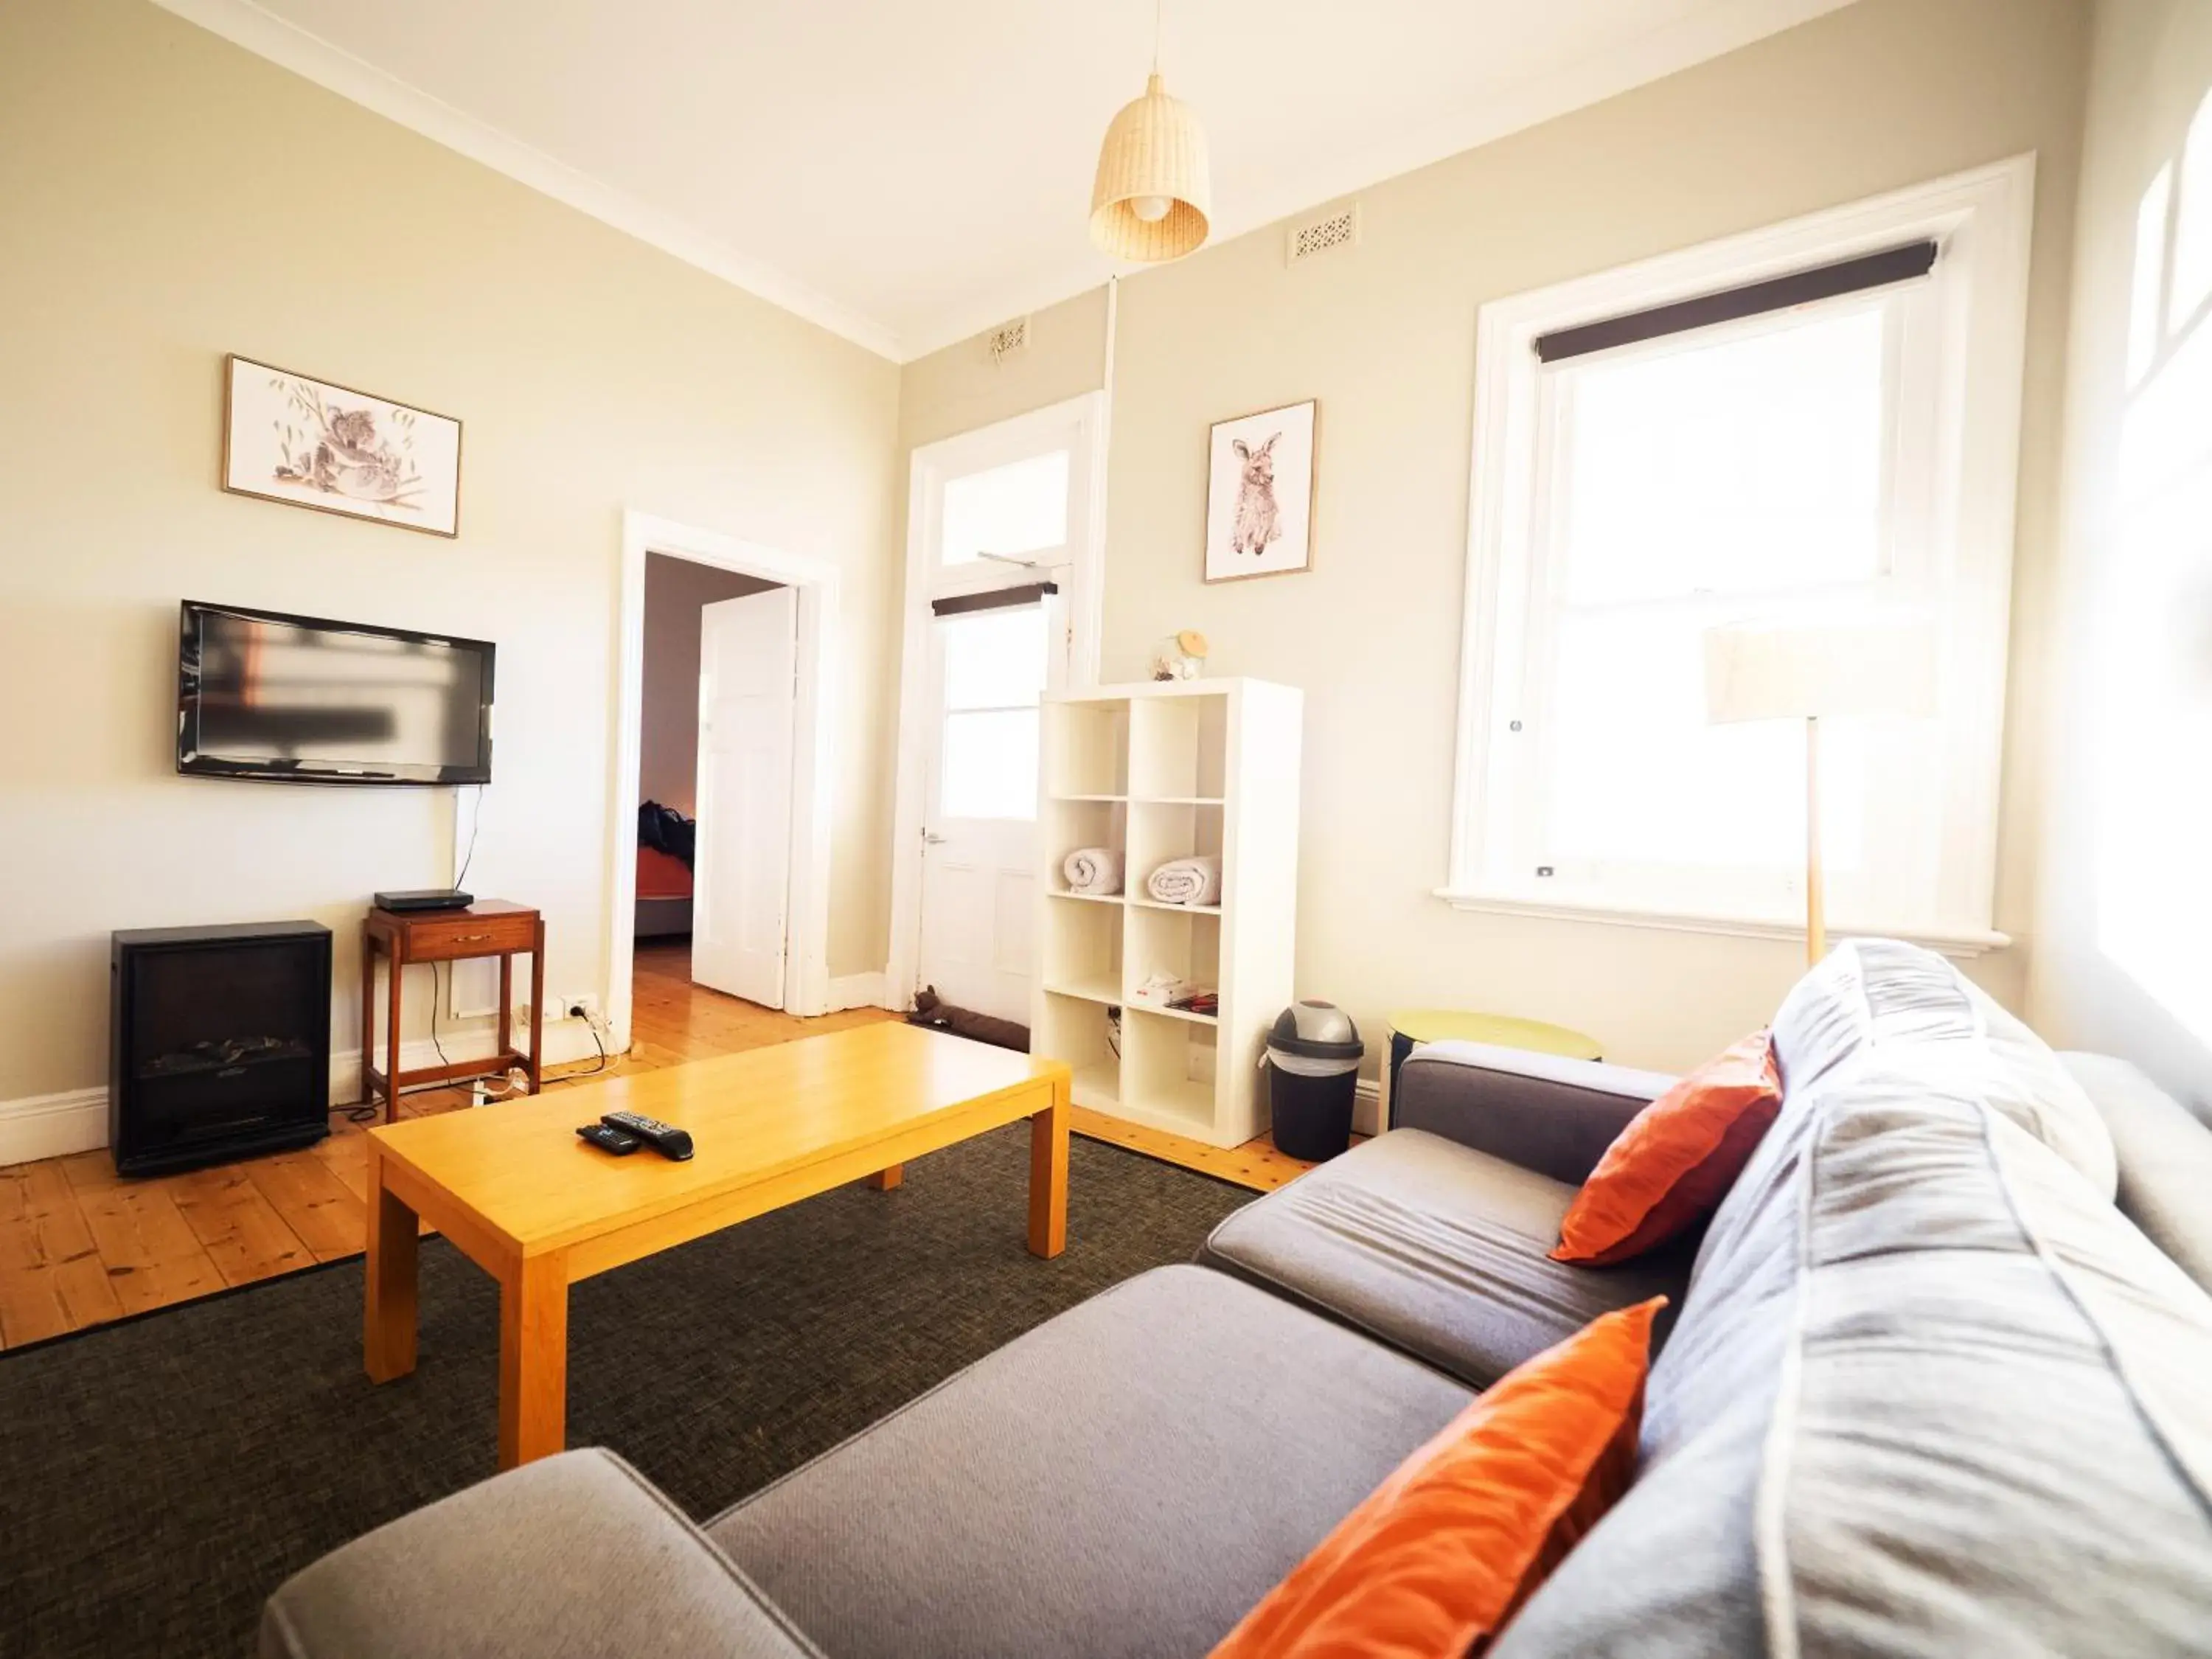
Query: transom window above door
{"points": [[1013, 510], [1807, 424]]}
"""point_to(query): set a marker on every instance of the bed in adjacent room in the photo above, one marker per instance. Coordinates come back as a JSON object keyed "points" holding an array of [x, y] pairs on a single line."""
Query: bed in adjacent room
{"points": [[664, 844]]}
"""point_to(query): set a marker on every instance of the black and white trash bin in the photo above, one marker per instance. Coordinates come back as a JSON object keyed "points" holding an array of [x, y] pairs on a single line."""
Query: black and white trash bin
{"points": [[1313, 1066]]}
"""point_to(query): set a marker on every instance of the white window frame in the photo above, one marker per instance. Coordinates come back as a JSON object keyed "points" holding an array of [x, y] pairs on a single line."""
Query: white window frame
{"points": [[1982, 221]]}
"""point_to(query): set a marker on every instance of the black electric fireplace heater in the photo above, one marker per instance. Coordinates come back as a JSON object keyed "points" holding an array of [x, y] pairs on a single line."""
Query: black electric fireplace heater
{"points": [[221, 1042]]}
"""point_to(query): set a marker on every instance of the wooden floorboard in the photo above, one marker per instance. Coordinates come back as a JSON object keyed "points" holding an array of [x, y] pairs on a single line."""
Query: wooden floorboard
{"points": [[326, 1215], [51, 1277], [79, 1246], [1256, 1164], [241, 1230]]}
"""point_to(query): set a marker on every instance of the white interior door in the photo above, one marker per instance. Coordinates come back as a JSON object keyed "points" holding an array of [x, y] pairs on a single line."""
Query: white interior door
{"points": [[1002, 604], [979, 824], [741, 882]]}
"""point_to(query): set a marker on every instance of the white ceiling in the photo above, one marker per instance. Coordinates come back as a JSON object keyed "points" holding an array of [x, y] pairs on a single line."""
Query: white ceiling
{"points": [[909, 173]]}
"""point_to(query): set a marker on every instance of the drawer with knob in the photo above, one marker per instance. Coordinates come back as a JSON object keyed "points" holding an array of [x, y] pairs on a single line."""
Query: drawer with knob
{"points": [[444, 937]]}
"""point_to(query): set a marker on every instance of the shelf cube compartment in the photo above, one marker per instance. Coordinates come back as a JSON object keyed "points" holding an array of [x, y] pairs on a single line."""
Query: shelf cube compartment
{"points": [[1179, 748], [1082, 953], [1079, 1031], [1070, 825], [1087, 747], [1186, 943], [1168, 1070], [1159, 832]]}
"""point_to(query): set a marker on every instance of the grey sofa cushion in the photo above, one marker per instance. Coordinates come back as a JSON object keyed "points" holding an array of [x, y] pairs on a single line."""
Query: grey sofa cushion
{"points": [[2164, 1152], [1435, 1249], [1883, 995], [1128, 1479], [1930, 1394], [574, 1557]]}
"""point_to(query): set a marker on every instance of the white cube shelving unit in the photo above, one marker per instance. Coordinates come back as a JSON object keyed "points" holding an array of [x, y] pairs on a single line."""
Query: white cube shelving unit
{"points": [[1160, 771]]}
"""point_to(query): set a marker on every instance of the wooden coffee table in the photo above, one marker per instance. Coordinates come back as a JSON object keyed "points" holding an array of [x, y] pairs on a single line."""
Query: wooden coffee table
{"points": [[537, 1209]]}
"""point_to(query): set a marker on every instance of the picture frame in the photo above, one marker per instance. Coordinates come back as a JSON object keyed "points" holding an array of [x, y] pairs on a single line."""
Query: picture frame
{"points": [[291, 438], [1261, 483]]}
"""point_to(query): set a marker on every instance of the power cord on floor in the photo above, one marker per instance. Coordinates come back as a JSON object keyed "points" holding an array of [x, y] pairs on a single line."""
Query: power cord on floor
{"points": [[592, 1026]]}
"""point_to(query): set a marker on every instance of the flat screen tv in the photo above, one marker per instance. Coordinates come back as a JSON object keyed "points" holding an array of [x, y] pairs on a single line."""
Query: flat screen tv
{"points": [[301, 698]]}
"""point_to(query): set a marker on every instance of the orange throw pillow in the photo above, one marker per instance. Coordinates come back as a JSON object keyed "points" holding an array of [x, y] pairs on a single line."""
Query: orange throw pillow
{"points": [[1438, 1557], [1677, 1159]]}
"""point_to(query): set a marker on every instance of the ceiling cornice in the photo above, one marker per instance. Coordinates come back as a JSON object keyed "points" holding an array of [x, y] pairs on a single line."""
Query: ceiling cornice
{"points": [[266, 35]]}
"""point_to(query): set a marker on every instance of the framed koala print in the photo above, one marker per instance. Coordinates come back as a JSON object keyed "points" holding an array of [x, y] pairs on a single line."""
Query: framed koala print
{"points": [[1259, 493]]}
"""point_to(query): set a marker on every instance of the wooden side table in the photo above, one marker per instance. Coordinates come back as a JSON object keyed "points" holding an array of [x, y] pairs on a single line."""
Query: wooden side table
{"points": [[490, 928]]}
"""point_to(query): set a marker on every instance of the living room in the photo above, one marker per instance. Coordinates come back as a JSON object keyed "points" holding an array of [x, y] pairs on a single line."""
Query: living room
{"points": [[1460, 482]]}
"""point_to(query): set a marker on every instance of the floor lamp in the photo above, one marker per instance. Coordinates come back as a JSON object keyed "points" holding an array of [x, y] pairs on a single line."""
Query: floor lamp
{"points": [[1875, 670]]}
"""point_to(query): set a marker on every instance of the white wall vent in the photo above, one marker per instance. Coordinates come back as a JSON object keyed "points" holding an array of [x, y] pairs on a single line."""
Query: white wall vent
{"points": [[1008, 338], [1318, 236]]}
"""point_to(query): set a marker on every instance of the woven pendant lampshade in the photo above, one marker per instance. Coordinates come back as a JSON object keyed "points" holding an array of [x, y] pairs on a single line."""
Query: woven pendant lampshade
{"points": [[1152, 196]]}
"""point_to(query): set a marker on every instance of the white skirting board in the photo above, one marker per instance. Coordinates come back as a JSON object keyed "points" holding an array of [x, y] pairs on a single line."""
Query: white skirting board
{"points": [[75, 1121], [856, 991]]}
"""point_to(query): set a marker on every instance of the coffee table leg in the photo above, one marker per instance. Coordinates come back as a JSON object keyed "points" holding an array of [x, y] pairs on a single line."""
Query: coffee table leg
{"points": [[533, 1359], [388, 1324], [1049, 1174], [884, 1180]]}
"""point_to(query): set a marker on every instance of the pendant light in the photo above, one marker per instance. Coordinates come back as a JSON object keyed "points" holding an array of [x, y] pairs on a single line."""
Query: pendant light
{"points": [[1151, 199]]}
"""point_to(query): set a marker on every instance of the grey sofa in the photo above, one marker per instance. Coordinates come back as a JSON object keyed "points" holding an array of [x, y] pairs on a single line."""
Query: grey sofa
{"points": [[1928, 1391]]}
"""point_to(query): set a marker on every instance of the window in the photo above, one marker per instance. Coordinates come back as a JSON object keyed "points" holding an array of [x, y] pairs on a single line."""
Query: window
{"points": [[1637, 485], [1013, 510], [994, 673]]}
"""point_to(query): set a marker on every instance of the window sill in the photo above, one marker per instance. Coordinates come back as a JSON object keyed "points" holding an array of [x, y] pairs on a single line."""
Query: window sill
{"points": [[1962, 943]]}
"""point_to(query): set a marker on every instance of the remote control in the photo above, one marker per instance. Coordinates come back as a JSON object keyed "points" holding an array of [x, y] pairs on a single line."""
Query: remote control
{"points": [[665, 1139], [617, 1141]]}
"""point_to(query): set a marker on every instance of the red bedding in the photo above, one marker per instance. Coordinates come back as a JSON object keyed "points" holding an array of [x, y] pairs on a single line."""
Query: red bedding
{"points": [[662, 875]]}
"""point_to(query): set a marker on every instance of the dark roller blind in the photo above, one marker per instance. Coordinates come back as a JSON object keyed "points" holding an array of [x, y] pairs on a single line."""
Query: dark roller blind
{"points": [[1853, 276], [998, 599]]}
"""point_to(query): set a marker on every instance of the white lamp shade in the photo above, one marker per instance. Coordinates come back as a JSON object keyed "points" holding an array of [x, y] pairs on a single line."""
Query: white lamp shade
{"points": [[1154, 153], [1868, 670]]}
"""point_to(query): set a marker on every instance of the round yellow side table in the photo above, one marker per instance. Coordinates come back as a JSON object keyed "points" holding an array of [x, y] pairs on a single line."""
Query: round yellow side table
{"points": [[1412, 1026]]}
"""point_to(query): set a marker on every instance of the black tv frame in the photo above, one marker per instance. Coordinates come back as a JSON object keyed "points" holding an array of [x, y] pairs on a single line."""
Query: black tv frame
{"points": [[191, 763]]}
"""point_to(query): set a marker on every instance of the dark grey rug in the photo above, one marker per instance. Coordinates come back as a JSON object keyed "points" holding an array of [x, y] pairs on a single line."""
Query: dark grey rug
{"points": [[158, 1477]]}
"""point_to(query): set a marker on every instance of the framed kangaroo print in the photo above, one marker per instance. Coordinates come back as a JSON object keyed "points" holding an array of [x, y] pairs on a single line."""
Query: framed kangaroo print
{"points": [[286, 438], [1259, 493]]}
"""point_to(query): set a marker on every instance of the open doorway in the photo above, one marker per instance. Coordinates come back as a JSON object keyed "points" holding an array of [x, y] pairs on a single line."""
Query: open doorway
{"points": [[715, 755], [721, 744]]}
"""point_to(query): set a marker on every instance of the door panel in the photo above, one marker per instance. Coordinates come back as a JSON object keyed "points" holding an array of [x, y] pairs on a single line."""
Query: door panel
{"points": [[978, 851], [748, 670]]}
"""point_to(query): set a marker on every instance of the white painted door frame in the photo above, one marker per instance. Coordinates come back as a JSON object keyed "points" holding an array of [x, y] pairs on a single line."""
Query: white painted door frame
{"points": [[812, 773], [1083, 586]]}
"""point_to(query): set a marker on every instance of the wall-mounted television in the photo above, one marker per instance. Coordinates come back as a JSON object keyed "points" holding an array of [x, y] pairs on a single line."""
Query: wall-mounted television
{"points": [[301, 699]]}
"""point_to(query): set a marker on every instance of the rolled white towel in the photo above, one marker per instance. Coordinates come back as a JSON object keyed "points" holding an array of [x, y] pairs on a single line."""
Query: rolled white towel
{"points": [[1187, 881], [1093, 870]]}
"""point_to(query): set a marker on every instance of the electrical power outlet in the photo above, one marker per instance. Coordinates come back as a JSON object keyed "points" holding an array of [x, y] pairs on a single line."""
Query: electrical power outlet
{"points": [[584, 1006]]}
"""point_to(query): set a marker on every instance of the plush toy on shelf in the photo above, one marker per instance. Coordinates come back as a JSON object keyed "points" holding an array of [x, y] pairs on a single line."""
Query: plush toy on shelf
{"points": [[1182, 658]]}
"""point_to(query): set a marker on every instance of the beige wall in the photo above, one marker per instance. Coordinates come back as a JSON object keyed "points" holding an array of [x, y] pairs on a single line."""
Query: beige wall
{"points": [[1881, 94], [961, 388], [167, 197], [2121, 961], [668, 728]]}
